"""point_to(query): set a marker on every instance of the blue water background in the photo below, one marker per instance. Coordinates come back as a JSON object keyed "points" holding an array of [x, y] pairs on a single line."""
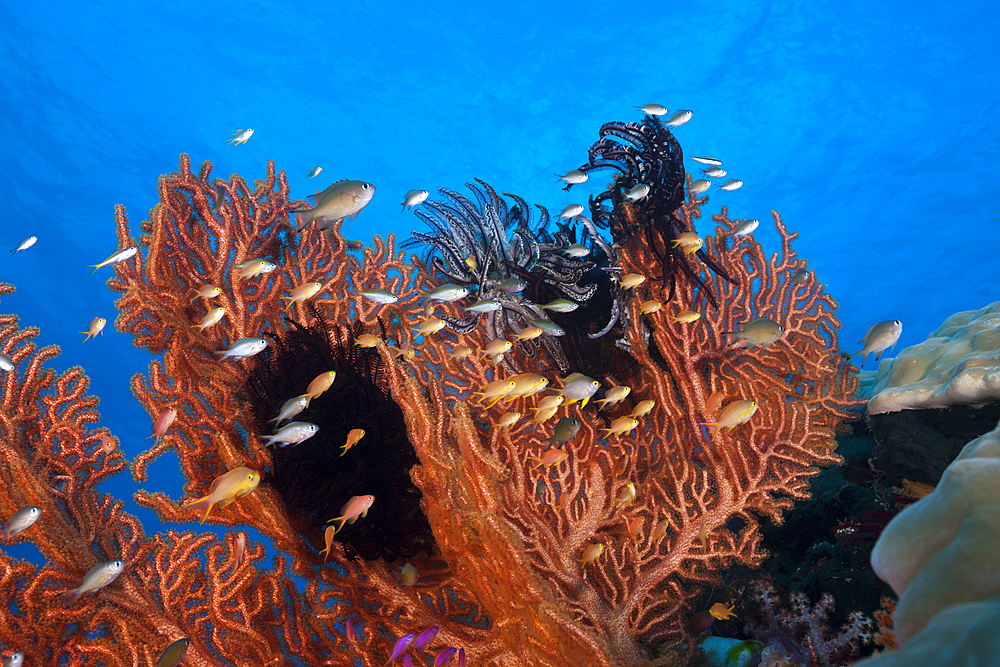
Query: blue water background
{"points": [[871, 127]]}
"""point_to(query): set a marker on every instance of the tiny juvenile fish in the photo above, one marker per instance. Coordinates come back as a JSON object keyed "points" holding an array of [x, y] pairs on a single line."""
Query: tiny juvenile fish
{"points": [[225, 489], [576, 251], [31, 240], [96, 327], [414, 198], [240, 137], [314, 172], [243, 348], [23, 519], [745, 227], [880, 337], [407, 575], [291, 434], [573, 177], [638, 192], [344, 199], [731, 184], [379, 296], [699, 186], [758, 331], [97, 578], [571, 211], [679, 118], [653, 109], [115, 259]]}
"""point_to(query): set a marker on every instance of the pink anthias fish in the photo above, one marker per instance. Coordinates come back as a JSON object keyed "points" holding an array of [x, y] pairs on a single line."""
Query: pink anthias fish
{"points": [[352, 509]]}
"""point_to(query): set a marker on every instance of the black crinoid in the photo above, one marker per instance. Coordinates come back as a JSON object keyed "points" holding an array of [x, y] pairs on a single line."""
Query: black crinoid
{"points": [[314, 480], [497, 252], [646, 153]]}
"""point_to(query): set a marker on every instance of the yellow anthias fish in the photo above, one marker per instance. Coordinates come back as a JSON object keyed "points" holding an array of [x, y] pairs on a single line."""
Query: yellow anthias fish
{"points": [[642, 408], [367, 340], [407, 576], [526, 384], [689, 242], [328, 539], [495, 390], [591, 553], [226, 488], [495, 347], [614, 395], [96, 327], [622, 425], [685, 317], [734, 414], [634, 528], [508, 419], [630, 280], [206, 292], [211, 318], [429, 326], [319, 384], [650, 307], [460, 352], [252, 268], [302, 292], [528, 333], [721, 611], [344, 199], [660, 530], [626, 496]]}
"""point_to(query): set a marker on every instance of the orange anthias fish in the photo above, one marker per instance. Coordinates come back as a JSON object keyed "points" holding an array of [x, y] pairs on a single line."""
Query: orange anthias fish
{"points": [[721, 611], [162, 423], [352, 509], [320, 384], [352, 439], [328, 539], [226, 488], [734, 414], [714, 402], [550, 458]]}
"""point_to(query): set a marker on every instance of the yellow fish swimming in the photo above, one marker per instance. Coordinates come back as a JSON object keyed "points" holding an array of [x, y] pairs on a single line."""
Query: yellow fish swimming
{"points": [[344, 199], [226, 488]]}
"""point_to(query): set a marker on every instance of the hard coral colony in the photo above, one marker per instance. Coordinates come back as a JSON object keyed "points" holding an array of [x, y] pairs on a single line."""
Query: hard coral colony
{"points": [[512, 563]]}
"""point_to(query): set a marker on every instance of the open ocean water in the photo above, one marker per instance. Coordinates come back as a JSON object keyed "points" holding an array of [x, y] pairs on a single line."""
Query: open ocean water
{"points": [[870, 127]]}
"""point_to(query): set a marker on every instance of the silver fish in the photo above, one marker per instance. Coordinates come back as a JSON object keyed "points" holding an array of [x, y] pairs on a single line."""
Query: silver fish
{"points": [[6, 363], [745, 227], [344, 199], [14, 659], [379, 296], [758, 331], [653, 109], [314, 172], [243, 348], [291, 434], [700, 186], [880, 337], [576, 251], [637, 192], [512, 285], [25, 244], [448, 293], [679, 118], [800, 276], [714, 172], [414, 198], [115, 258], [574, 177], [23, 519], [561, 306], [291, 408], [99, 576], [578, 387], [484, 306], [731, 184], [571, 211], [708, 160]]}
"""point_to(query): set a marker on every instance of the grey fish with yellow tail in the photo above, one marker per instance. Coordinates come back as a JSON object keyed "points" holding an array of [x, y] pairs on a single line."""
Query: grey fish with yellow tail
{"points": [[880, 337], [344, 199]]}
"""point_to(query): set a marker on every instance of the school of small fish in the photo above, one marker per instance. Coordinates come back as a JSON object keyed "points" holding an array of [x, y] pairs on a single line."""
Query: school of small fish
{"points": [[344, 200]]}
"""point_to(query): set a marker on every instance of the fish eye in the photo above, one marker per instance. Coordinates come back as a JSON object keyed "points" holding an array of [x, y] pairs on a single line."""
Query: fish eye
{"points": [[366, 186]]}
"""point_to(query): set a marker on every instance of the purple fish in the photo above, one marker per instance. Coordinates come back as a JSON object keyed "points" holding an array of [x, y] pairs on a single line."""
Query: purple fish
{"points": [[425, 638], [401, 647], [461, 657], [444, 656]]}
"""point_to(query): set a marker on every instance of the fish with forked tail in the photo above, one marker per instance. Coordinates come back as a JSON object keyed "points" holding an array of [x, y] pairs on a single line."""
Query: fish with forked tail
{"points": [[344, 199]]}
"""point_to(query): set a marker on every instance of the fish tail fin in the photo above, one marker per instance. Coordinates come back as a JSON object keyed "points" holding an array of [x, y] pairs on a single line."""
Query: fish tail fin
{"points": [[220, 354], [72, 594], [301, 219], [205, 503], [326, 553], [96, 266]]}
